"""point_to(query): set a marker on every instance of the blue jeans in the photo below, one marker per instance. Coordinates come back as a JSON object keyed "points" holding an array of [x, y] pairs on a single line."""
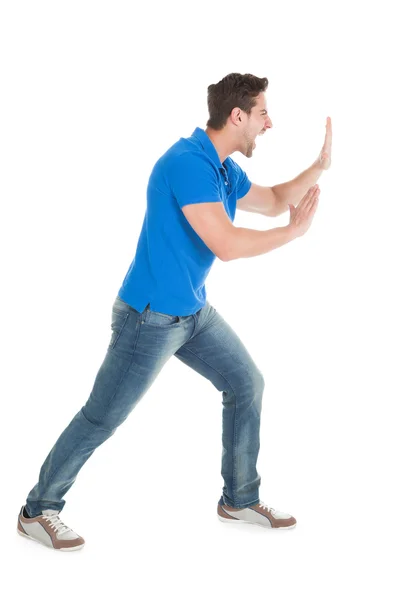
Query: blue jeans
{"points": [[139, 347]]}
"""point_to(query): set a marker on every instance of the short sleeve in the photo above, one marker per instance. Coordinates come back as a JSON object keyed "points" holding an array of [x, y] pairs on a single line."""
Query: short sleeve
{"points": [[243, 183], [192, 179]]}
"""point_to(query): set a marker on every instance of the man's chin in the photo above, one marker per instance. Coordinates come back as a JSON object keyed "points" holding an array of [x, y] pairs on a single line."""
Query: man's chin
{"points": [[249, 153]]}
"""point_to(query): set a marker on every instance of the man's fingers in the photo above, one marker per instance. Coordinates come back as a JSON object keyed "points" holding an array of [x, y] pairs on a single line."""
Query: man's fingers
{"points": [[313, 206], [309, 197], [328, 135], [309, 207]]}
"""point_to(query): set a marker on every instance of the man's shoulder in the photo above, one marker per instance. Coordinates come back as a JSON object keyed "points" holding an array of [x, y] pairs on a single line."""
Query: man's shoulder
{"points": [[187, 159]]}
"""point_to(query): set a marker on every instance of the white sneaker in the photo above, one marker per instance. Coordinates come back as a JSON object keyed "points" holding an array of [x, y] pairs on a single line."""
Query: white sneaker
{"points": [[49, 530], [256, 514]]}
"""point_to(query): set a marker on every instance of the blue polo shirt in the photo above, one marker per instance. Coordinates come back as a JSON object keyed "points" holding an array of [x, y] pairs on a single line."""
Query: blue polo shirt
{"points": [[172, 262]]}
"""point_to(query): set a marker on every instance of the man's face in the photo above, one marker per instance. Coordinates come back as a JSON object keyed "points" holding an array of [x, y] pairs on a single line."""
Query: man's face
{"points": [[257, 123]]}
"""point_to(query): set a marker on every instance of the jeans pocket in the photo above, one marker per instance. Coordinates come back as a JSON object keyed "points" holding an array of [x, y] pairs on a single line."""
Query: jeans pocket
{"points": [[157, 319], [119, 318]]}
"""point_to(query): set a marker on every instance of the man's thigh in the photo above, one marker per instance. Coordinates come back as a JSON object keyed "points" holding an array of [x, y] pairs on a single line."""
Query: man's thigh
{"points": [[216, 352]]}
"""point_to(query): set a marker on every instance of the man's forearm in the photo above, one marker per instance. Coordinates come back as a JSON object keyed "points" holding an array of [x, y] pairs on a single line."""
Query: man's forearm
{"points": [[245, 243], [292, 191]]}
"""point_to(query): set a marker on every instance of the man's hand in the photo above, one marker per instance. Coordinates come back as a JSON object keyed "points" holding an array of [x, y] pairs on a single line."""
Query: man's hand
{"points": [[324, 159], [302, 215]]}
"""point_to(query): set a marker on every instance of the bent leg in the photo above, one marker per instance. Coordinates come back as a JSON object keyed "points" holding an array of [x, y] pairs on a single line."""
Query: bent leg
{"points": [[216, 352]]}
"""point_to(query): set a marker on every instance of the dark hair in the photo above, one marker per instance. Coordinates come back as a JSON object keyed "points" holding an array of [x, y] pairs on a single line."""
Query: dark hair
{"points": [[233, 90]]}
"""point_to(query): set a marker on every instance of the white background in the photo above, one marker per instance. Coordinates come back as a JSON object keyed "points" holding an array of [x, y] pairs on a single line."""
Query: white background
{"points": [[92, 94]]}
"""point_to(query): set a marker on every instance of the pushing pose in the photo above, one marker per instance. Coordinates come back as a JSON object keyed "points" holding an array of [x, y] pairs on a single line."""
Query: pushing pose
{"points": [[161, 309]]}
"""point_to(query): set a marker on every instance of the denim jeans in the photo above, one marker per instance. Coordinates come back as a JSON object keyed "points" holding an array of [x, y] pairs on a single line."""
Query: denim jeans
{"points": [[139, 347]]}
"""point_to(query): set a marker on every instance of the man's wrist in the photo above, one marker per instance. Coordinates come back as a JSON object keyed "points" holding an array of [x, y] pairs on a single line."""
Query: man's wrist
{"points": [[293, 231]]}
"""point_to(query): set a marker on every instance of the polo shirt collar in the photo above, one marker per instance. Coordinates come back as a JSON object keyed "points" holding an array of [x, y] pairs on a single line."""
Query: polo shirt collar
{"points": [[207, 146]]}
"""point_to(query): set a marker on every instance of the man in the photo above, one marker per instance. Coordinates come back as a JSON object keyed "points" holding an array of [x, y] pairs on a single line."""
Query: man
{"points": [[161, 308]]}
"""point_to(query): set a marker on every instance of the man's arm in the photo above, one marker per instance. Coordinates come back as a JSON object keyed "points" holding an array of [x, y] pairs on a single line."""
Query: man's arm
{"points": [[212, 224], [246, 243], [292, 191], [275, 200]]}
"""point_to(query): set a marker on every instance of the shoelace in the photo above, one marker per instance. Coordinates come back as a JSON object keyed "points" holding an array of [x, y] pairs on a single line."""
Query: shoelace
{"points": [[263, 505], [56, 522]]}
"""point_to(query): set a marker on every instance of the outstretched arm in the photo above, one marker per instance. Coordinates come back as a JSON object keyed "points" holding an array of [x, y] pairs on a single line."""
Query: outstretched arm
{"points": [[292, 191]]}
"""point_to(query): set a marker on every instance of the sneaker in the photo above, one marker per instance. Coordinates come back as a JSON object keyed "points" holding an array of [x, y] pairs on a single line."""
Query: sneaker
{"points": [[256, 514], [49, 530]]}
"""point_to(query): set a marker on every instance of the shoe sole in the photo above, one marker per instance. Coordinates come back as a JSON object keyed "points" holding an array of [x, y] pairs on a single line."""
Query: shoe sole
{"points": [[50, 547], [236, 521]]}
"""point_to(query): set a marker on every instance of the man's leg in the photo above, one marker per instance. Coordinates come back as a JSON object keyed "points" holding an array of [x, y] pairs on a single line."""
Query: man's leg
{"points": [[216, 352], [140, 345]]}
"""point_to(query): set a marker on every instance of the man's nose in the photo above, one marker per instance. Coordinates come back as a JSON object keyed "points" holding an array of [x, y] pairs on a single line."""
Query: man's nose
{"points": [[267, 124]]}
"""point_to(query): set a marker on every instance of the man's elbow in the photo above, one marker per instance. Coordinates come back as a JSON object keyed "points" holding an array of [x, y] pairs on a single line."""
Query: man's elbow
{"points": [[226, 253], [279, 207], [224, 257]]}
